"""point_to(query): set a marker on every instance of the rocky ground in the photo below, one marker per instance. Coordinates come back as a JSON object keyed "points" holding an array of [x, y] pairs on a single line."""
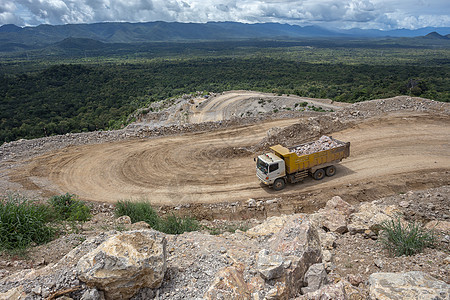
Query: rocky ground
{"points": [[232, 265], [248, 249]]}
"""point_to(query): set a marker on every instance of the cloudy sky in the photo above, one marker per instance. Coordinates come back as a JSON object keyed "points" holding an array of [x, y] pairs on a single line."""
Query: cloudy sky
{"points": [[378, 14]]}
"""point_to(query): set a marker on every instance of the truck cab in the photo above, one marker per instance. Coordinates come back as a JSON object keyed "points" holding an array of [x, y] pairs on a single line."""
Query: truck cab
{"points": [[271, 170]]}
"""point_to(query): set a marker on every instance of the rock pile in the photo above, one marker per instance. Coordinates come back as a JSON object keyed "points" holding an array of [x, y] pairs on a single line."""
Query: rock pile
{"points": [[282, 258], [322, 144]]}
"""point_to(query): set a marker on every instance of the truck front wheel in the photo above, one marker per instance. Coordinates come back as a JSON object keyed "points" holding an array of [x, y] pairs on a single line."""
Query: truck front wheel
{"points": [[279, 184], [330, 171], [319, 174]]}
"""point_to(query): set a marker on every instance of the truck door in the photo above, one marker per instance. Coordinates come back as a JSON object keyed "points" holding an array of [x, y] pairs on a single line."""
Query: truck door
{"points": [[274, 170]]}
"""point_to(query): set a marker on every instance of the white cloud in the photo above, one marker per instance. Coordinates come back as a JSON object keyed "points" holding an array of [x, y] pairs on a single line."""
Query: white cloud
{"points": [[345, 13]]}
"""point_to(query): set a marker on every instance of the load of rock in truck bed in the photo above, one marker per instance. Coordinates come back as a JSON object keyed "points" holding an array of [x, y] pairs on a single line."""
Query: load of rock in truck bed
{"points": [[322, 144]]}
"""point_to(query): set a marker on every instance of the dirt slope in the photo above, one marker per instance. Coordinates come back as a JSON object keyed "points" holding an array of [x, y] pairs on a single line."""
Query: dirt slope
{"points": [[209, 167]]}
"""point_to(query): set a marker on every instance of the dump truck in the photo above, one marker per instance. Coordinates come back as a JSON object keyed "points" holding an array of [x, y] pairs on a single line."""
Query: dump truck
{"points": [[293, 164]]}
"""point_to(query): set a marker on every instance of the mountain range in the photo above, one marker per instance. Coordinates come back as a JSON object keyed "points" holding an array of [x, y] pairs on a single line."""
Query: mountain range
{"points": [[14, 38]]}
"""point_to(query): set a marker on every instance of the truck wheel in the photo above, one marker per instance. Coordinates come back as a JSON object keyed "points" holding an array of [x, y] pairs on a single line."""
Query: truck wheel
{"points": [[279, 184], [330, 171], [319, 174]]}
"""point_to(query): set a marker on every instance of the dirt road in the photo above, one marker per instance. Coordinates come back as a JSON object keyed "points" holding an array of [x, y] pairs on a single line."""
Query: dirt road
{"points": [[245, 103], [209, 167]]}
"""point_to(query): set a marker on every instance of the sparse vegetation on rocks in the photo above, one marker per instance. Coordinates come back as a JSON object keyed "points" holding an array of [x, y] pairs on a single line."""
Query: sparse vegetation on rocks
{"points": [[143, 211], [405, 238]]}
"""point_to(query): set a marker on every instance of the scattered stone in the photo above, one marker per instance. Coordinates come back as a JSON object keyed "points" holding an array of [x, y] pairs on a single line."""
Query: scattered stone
{"points": [[327, 239], [251, 203], [355, 280], [123, 220], [279, 291], [140, 225], [315, 278], [379, 263], [404, 204], [92, 294]]}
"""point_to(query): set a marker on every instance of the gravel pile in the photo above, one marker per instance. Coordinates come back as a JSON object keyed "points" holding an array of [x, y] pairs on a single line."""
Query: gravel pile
{"points": [[322, 144]]}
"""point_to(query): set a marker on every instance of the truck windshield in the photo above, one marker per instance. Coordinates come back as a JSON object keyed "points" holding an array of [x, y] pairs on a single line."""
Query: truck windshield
{"points": [[261, 165]]}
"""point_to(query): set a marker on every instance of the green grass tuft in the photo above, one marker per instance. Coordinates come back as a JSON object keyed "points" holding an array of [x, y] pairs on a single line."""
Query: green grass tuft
{"points": [[138, 211], [143, 211], [23, 223], [68, 208], [401, 238], [177, 225]]}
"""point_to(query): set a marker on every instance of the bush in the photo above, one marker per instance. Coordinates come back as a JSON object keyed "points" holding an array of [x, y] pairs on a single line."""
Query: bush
{"points": [[401, 238], [143, 211], [23, 222], [68, 208]]}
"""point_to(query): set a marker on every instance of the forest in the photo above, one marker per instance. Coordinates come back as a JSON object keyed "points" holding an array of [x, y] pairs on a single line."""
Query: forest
{"points": [[46, 96]]}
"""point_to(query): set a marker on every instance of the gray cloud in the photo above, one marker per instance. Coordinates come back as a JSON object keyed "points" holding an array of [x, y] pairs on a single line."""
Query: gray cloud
{"points": [[381, 14]]}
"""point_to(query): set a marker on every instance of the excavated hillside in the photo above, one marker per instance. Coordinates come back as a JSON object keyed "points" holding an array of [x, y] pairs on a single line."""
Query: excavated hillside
{"points": [[397, 144], [194, 156]]}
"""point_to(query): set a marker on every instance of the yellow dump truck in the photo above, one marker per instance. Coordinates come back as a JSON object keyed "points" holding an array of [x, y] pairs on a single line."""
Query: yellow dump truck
{"points": [[293, 164]]}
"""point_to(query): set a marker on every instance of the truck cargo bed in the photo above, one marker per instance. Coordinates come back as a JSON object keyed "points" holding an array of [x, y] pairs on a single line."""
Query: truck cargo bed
{"points": [[313, 155]]}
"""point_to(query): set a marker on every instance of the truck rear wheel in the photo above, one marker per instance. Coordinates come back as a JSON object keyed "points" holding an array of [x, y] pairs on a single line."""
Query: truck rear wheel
{"points": [[279, 184], [319, 174], [330, 171]]}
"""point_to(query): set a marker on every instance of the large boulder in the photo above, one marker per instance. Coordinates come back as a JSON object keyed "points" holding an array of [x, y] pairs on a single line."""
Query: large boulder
{"points": [[268, 228], [410, 285], [334, 215], [342, 290], [438, 225], [298, 241], [124, 263], [336, 203], [370, 216]]}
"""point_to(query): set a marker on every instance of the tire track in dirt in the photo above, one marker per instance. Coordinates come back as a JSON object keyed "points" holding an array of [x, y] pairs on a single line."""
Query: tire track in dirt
{"points": [[201, 167]]}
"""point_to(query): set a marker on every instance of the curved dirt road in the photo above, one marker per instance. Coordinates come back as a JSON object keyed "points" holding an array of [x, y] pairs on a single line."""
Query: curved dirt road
{"points": [[241, 103], [206, 168]]}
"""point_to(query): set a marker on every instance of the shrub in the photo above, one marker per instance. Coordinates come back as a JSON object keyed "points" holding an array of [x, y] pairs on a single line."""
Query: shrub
{"points": [[401, 238], [68, 207], [143, 211], [23, 222]]}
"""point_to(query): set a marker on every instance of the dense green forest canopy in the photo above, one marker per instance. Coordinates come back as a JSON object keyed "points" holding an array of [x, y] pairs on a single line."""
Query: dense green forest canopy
{"points": [[45, 97]]}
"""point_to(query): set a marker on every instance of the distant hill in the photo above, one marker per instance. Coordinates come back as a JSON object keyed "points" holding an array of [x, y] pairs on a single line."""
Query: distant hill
{"points": [[435, 35], [80, 43], [14, 38]]}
